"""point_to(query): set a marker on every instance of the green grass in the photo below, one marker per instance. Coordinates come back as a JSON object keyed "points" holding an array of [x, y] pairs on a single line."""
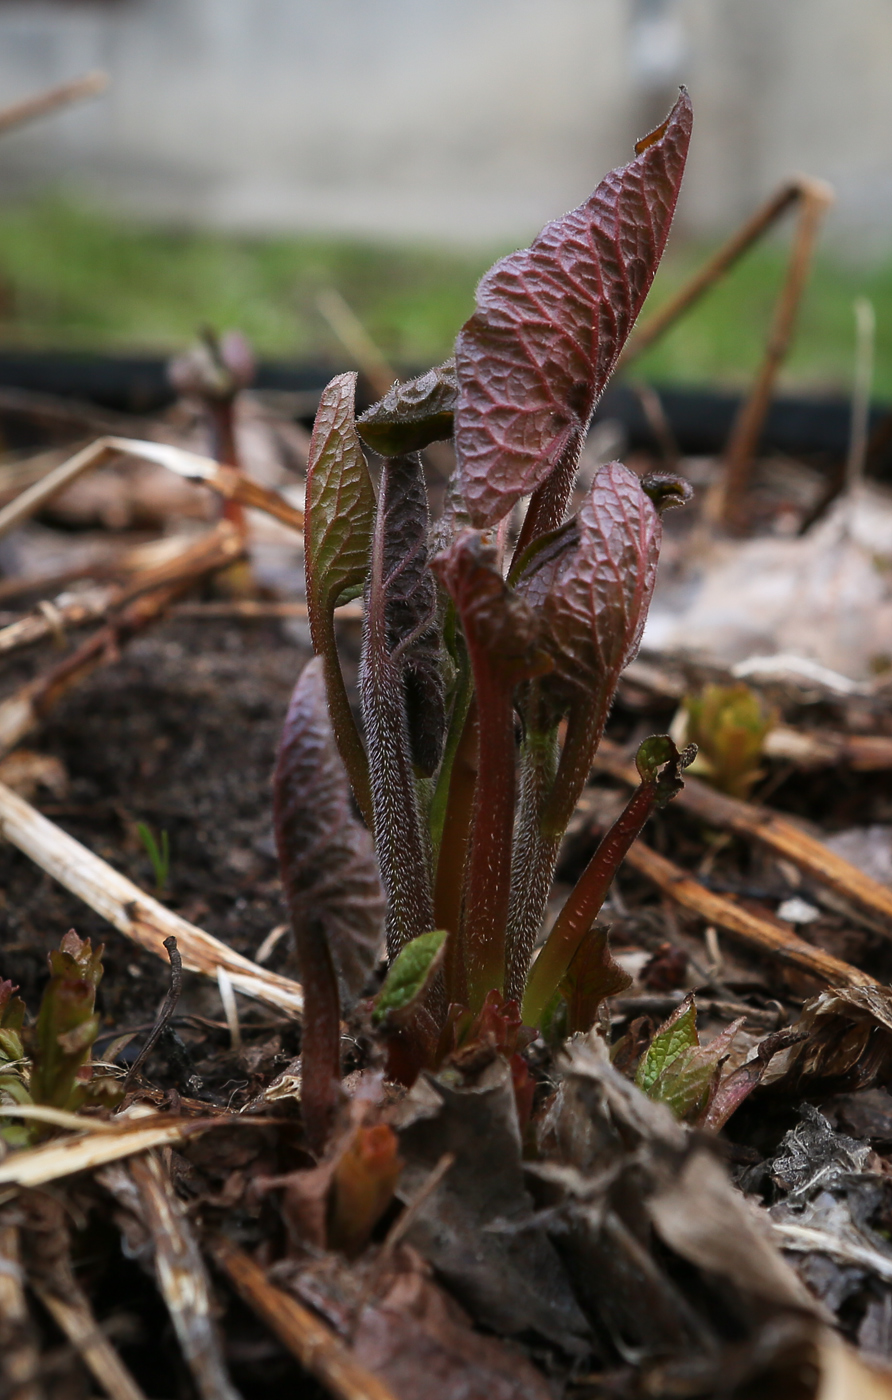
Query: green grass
{"points": [[71, 277]]}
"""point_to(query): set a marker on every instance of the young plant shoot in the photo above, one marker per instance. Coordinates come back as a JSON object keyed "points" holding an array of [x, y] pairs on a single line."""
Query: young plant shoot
{"points": [[484, 688]]}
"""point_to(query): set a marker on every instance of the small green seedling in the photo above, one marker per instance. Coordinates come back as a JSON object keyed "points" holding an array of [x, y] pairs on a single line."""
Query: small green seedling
{"points": [[159, 856]]}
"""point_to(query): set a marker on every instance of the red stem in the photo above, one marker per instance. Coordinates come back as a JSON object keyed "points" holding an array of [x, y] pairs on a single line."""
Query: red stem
{"points": [[453, 856], [583, 904], [321, 1036], [488, 885]]}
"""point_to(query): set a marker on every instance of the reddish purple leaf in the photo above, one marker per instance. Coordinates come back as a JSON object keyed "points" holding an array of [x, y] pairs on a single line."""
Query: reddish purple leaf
{"points": [[328, 864], [331, 885], [551, 321]]}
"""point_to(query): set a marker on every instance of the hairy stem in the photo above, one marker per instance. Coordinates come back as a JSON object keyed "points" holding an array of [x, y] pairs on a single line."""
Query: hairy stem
{"points": [[583, 904], [453, 855], [464, 693], [546, 809], [320, 1035], [400, 839], [534, 858]]}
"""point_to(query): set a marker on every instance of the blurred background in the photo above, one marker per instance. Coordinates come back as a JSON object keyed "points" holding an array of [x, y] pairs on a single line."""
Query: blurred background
{"points": [[250, 152]]}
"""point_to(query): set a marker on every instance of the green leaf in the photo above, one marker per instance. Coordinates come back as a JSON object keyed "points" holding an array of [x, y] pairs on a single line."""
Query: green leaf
{"points": [[680, 1072], [410, 974], [412, 415], [677, 1034], [340, 504], [339, 519]]}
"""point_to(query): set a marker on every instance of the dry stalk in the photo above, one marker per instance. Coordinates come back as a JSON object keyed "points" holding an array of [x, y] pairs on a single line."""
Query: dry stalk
{"points": [[216, 549], [74, 1316], [815, 199], [36, 1166], [19, 1357], [51, 100], [182, 1278], [775, 832], [229, 483], [25, 710], [135, 914], [317, 1349], [656, 326], [249, 609], [757, 930]]}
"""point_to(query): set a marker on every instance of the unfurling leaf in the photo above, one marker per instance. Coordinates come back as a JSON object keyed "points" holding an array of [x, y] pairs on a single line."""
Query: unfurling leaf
{"points": [[591, 582], [365, 1178], [338, 525], [599, 583], [409, 975], [331, 885], [728, 723], [550, 323], [502, 631], [678, 1071], [592, 975], [412, 415], [677, 1033], [67, 1024], [666, 489], [410, 607], [659, 763]]}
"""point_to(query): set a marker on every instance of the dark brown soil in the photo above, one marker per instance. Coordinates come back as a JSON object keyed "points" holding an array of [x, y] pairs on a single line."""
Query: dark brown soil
{"points": [[179, 734]]}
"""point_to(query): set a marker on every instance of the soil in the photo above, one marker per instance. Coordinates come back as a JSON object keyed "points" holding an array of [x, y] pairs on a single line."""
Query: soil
{"points": [[180, 734]]}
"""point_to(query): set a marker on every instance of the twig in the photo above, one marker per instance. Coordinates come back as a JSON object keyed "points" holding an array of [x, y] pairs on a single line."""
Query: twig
{"points": [[759, 931], [232, 485], [317, 1349], [36, 1166], [368, 358], [816, 198], [863, 753], [721, 262], [774, 831], [182, 1278], [354, 337], [133, 912], [865, 335], [168, 1007], [74, 1316], [657, 1005], [413, 1207], [51, 100], [230, 1009], [247, 609], [197, 556], [24, 710]]}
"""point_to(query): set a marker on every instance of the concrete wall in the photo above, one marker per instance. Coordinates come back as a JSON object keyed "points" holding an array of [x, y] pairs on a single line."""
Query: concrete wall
{"points": [[449, 119]]}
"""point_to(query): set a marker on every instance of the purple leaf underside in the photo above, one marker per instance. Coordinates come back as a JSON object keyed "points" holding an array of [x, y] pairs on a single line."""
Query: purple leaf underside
{"points": [[551, 321], [326, 856], [594, 585]]}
